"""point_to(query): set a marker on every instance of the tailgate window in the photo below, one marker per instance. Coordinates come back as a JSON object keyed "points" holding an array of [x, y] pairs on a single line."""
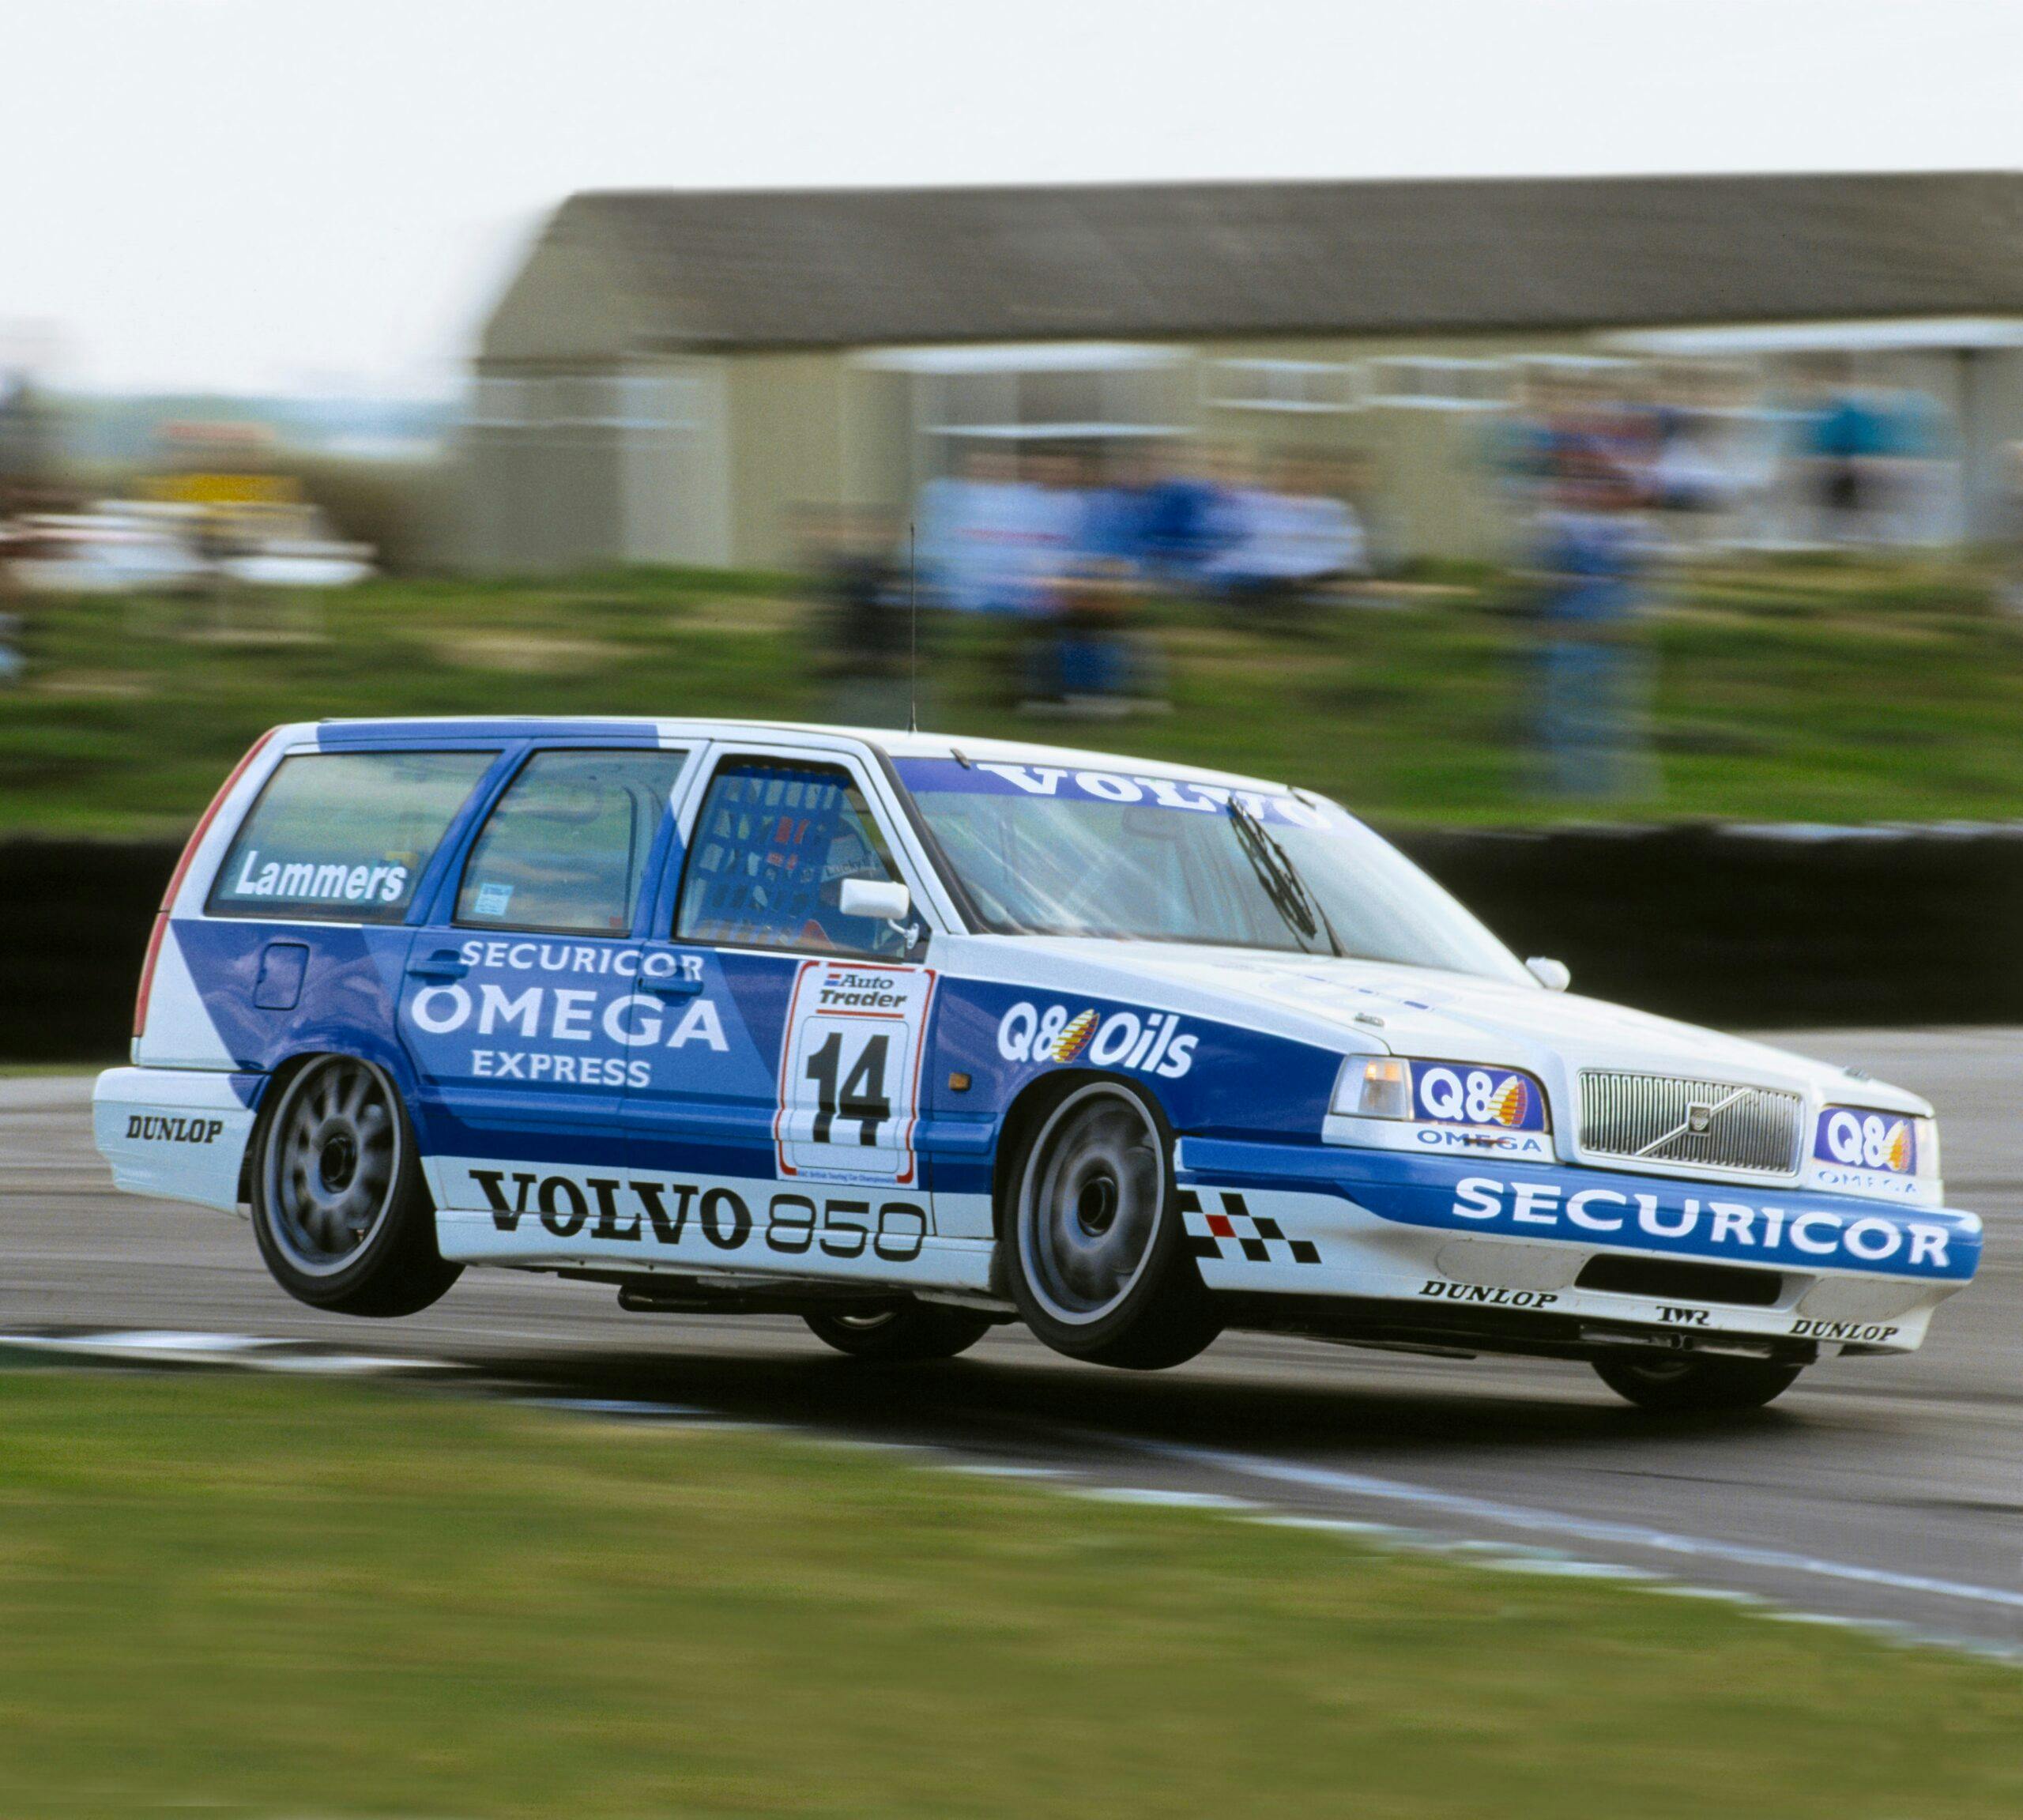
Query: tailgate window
{"points": [[343, 837]]}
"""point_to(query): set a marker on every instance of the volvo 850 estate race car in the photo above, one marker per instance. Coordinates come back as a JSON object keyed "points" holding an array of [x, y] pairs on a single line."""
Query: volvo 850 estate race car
{"points": [[908, 1036]]}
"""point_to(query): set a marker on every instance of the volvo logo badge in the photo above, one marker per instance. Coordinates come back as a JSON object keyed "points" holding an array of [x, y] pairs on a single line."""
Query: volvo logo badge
{"points": [[1698, 1116]]}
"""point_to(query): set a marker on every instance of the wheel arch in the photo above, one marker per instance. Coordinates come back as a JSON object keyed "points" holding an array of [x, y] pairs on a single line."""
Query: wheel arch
{"points": [[331, 1037], [1024, 1116]]}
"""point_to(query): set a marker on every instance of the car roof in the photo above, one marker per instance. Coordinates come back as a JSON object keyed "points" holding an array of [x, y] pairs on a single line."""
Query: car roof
{"points": [[896, 743]]}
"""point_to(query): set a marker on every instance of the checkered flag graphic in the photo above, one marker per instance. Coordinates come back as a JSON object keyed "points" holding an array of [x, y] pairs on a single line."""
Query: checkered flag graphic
{"points": [[1250, 1235]]}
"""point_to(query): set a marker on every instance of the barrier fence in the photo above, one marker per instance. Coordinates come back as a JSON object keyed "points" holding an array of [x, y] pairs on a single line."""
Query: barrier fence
{"points": [[1737, 927]]}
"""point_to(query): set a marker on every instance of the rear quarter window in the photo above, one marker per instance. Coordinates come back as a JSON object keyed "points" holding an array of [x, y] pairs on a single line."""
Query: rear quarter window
{"points": [[344, 837], [565, 848]]}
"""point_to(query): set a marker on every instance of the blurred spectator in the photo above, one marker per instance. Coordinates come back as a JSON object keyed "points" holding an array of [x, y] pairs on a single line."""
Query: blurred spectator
{"points": [[1284, 543], [27, 443], [1706, 474], [1053, 534], [991, 533], [1914, 503], [1187, 520], [1324, 541], [1690, 469], [1846, 440], [1071, 538], [1117, 513], [2009, 586], [1590, 683], [1520, 445], [1572, 413], [17, 543], [1833, 461], [863, 599], [963, 523], [1086, 656], [999, 534], [1090, 659]]}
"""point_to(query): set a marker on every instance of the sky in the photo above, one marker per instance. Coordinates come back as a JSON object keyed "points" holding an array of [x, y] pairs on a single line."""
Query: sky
{"points": [[253, 195]]}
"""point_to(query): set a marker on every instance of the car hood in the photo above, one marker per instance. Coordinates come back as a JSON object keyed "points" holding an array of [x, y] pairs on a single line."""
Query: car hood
{"points": [[1370, 1006]]}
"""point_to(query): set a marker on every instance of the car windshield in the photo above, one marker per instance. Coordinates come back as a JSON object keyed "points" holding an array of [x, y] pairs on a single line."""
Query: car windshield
{"points": [[1044, 850]]}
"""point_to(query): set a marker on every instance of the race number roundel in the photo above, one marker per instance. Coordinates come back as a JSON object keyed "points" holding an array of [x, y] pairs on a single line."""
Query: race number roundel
{"points": [[849, 1072]]}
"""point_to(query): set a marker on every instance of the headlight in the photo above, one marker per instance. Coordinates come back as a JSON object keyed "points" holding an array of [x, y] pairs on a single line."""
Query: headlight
{"points": [[1456, 1093], [1888, 1143], [1378, 1087]]}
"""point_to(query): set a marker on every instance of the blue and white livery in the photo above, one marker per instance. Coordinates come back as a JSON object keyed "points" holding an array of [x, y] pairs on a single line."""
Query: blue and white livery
{"points": [[910, 1035]]}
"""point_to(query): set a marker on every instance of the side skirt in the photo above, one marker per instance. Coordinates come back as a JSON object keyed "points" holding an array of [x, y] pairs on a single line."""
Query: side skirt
{"points": [[554, 1216]]}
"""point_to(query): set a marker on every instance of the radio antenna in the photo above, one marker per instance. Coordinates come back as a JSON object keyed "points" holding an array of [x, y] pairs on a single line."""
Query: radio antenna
{"points": [[913, 630]]}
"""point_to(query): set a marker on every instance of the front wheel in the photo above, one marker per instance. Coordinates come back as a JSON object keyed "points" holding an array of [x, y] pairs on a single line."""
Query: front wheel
{"points": [[1098, 1262], [1686, 1385], [904, 1333], [339, 1209]]}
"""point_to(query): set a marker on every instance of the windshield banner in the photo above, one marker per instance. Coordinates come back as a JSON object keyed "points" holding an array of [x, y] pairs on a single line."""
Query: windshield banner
{"points": [[992, 778]]}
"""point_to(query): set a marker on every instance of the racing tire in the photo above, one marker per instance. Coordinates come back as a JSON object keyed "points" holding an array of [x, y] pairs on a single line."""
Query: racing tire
{"points": [[903, 1333], [340, 1212], [1097, 1260], [1684, 1385]]}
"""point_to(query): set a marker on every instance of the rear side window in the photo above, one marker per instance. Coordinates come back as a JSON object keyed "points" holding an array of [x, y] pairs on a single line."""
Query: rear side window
{"points": [[565, 850], [343, 837], [772, 846]]}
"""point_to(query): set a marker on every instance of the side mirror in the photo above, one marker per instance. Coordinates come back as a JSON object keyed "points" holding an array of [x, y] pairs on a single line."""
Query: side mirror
{"points": [[1553, 975], [882, 900]]}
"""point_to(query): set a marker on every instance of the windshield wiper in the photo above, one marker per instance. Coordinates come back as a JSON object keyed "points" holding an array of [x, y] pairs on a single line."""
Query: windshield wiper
{"points": [[1289, 892]]}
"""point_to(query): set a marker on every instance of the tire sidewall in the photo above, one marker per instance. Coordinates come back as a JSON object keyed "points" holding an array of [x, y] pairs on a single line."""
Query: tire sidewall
{"points": [[915, 1332], [1166, 1283], [405, 1230], [1706, 1386]]}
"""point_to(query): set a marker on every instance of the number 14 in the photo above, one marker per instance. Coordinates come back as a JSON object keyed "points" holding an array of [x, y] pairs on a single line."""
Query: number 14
{"points": [[862, 1096]]}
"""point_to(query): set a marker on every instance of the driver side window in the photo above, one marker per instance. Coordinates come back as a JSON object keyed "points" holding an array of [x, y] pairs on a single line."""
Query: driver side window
{"points": [[773, 842]]}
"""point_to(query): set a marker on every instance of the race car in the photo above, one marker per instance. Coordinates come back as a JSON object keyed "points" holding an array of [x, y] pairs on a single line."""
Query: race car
{"points": [[909, 1035]]}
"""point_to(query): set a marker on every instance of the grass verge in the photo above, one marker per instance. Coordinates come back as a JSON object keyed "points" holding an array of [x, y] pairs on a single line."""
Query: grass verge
{"points": [[40, 1070], [1821, 688], [255, 1597]]}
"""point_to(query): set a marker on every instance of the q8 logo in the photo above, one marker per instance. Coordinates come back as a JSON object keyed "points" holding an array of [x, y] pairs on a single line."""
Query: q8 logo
{"points": [[1867, 1140], [1446, 1094]]}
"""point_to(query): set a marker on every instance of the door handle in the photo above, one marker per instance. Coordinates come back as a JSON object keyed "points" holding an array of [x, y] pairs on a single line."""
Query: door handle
{"points": [[677, 987], [445, 963]]}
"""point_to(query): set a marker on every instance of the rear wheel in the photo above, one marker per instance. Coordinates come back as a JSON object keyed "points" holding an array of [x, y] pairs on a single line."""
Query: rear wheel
{"points": [[1684, 1384], [340, 1210], [901, 1331], [1098, 1262]]}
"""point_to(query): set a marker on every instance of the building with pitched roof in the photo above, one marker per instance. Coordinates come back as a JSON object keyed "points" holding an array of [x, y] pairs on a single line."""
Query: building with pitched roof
{"points": [[670, 375]]}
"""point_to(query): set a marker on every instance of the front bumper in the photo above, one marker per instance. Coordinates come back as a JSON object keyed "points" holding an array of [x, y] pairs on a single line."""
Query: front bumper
{"points": [[1583, 1258]]}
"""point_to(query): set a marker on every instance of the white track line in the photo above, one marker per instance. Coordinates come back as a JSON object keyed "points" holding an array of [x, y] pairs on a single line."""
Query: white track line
{"points": [[166, 1346], [247, 1352], [1560, 1523], [1163, 1497]]}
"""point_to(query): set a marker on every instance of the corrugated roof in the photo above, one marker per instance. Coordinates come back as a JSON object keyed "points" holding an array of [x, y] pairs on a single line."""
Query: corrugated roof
{"points": [[858, 267]]}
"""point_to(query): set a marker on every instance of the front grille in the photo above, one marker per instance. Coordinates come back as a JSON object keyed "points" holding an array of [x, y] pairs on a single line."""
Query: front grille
{"points": [[1650, 1118]]}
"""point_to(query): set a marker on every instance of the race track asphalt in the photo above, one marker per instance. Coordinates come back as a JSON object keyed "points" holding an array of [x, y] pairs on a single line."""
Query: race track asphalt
{"points": [[1878, 1488]]}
